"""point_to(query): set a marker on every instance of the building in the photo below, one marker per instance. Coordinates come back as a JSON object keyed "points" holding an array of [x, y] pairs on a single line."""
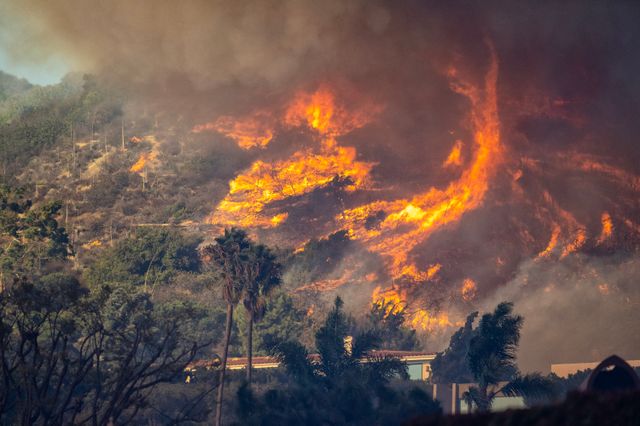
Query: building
{"points": [[418, 363], [565, 369]]}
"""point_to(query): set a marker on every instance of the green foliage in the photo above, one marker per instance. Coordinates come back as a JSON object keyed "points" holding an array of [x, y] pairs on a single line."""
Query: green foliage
{"points": [[21, 139], [451, 365], [73, 355], [263, 275], [11, 86], [34, 118], [282, 321], [230, 257], [29, 236], [389, 324], [148, 258], [337, 388]]}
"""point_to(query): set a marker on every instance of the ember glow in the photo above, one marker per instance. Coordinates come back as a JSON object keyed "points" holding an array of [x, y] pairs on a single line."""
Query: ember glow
{"points": [[145, 158], [455, 156]]}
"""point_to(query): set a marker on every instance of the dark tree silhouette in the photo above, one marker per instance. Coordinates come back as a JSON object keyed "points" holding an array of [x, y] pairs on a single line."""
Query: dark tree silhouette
{"points": [[492, 361], [231, 255], [341, 385], [263, 277], [70, 355]]}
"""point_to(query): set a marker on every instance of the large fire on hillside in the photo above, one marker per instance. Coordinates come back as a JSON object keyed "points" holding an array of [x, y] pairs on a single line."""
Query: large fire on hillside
{"points": [[398, 229], [453, 155]]}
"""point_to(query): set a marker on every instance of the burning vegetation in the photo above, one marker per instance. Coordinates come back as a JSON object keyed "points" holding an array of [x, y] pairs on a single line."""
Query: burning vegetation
{"points": [[444, 154]]}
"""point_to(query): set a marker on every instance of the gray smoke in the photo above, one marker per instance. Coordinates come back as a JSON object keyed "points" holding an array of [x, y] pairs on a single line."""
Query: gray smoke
{"points": [[580, 310]]}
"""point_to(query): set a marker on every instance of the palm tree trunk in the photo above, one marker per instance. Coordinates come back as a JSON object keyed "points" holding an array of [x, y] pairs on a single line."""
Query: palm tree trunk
{"points": [[249, 347], [486, 404], [227, 339]]}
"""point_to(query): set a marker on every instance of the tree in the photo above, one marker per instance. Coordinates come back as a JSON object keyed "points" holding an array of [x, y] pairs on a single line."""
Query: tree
{"points": [[148, 257], [389, 323], [230, 255], [492, 360], [263, 277], [74, 355], [282, 321], [345, 384], [451, 365], [30, 237]]}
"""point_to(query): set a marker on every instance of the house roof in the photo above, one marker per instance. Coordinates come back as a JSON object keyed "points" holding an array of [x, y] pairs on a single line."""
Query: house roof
{"points": [[238, 363]]}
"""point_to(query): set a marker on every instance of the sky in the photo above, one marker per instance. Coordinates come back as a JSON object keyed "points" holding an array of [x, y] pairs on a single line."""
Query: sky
{"points": [[22, 52], [50, 71]]}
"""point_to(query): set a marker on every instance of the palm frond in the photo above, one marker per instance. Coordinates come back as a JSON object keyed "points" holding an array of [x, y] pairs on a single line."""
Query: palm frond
{"points": [[532, 387], [474, 396]]}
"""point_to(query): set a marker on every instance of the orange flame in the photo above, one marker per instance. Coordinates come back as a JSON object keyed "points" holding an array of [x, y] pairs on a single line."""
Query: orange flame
{"points": [[607, 228], [263, 183], [426, 321], [144, 158], [320, 112], [393, 299], [455, 156], [576, 244], [255, 130], [468, 290], [553, 242], [410, 222], [91, 244]]}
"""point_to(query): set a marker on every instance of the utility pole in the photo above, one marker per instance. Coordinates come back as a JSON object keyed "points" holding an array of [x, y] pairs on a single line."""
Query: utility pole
{"points": [[122, 132], [73, 148]]}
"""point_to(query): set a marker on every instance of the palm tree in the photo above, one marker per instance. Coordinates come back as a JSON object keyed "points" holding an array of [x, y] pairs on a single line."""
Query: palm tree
{"points": [[492, 361], [342, 384], [231, 255], [264, 276]]}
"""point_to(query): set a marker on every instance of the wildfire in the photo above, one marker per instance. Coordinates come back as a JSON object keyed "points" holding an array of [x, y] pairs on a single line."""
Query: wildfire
{"points": [[423, 320], [394, 301], [319, 111], [576, 244], [306, 170], [455, 156], [146, 157], [409, 222], [607, 228], [255, 130], [553, 242], [143, 159], [91, 244], [468, 290]]}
